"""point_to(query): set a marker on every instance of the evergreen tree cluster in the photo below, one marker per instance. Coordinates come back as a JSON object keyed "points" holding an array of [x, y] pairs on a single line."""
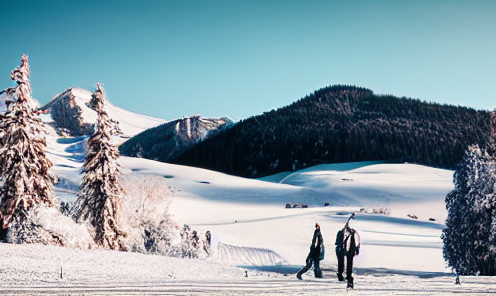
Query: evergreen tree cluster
{"points": [[25, 171], [470, 237], [342, 124]]}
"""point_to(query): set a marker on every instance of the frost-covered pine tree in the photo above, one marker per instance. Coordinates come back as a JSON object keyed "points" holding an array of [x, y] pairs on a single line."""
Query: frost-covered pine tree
{"points": [[99, 199], [470, 236], [24, 167]]}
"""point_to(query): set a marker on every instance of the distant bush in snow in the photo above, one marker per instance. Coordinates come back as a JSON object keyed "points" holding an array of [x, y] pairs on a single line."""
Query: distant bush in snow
{"points": [[382, 211], [150, 226], [376, 210]]}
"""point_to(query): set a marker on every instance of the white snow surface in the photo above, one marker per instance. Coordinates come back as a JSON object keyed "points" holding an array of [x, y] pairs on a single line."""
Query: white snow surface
{"points": [[255, 235]]}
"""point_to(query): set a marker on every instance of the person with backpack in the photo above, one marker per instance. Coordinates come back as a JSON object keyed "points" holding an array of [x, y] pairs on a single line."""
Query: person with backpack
{"points": [[317, 252], [340, 253], [347, 245], [351, 246]]}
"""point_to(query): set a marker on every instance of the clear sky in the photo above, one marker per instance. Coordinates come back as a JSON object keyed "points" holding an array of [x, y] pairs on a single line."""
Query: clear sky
{"points": [[239, 58]]}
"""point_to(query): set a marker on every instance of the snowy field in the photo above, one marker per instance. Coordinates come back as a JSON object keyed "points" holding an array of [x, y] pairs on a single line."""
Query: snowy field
{"points": [[257, 243], [36, 270]]}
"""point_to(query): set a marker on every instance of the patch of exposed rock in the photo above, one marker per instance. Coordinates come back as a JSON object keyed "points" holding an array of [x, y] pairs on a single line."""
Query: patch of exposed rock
{"points": [[67, 114], [169, 140]]}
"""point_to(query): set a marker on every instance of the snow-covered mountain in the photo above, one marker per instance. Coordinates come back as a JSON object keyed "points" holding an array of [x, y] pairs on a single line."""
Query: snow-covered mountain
{"points": [[71, 114]]}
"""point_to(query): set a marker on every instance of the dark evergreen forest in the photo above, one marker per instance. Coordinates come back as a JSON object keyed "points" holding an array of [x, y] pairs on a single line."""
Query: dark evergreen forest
{"points": [[342, 124]]}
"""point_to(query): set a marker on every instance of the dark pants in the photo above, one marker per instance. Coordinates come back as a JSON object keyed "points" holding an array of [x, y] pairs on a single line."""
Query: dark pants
{"points": [[340, 255], [316, 267], [349, 269], [3, 234]]}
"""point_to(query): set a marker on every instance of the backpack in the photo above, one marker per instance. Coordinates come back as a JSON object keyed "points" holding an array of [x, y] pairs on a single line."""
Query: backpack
{"points": [[322, 251], [352, 247]]}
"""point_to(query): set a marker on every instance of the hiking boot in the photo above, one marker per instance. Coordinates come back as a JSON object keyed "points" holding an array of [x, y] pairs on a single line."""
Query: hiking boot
{"points": [[350, 283], [340, 277]]}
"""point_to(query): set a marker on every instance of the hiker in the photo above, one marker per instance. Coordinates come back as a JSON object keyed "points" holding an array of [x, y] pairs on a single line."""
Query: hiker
{"points": [[315, 255], [352, 248], [340, 252]]}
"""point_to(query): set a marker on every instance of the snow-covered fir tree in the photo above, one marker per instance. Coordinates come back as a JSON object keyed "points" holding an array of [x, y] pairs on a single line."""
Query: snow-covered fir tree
{"points": [[470, 236], [99, 199], [24, 167]]}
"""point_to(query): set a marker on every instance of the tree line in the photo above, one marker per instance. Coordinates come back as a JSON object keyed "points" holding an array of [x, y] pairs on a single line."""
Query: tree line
{"points": [[342, 124]]}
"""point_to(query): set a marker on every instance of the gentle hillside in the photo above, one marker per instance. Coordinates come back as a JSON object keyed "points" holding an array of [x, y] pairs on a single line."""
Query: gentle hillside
{"points": [[171, 139], [342, 124]]}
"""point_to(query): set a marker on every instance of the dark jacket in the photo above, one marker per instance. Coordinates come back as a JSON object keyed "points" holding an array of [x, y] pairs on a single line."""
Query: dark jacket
{"points": [[316, 244], [352, 242]]}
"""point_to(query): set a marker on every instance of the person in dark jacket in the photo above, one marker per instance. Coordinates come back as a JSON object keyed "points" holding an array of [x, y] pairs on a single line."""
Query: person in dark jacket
{"points": [[352, 248], [340, 253], [340, 249], [314, 255]]}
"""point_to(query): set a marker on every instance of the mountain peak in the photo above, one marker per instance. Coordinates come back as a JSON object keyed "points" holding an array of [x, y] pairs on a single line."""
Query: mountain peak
{"points": [[71, 113]]}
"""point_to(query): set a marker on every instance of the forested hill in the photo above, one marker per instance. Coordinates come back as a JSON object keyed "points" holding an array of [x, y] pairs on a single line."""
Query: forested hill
{"points": [[342, 124]]}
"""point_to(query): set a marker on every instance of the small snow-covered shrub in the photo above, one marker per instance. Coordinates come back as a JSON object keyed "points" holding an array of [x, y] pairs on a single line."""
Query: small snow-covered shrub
{"points": [[47, 225], [382, 211], [150, 226], [376, 210]]}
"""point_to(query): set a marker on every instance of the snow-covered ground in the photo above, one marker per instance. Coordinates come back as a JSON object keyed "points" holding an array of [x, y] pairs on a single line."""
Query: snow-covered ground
{"points": [[259, 244]]}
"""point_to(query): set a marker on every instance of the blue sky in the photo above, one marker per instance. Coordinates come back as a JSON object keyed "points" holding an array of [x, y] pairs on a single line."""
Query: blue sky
{"points": [[239, 58]]}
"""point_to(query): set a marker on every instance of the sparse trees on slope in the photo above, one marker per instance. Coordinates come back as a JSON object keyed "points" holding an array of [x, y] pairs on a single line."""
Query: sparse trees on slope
{"points": [[24, 167], [99, 199], [470, 236]]}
